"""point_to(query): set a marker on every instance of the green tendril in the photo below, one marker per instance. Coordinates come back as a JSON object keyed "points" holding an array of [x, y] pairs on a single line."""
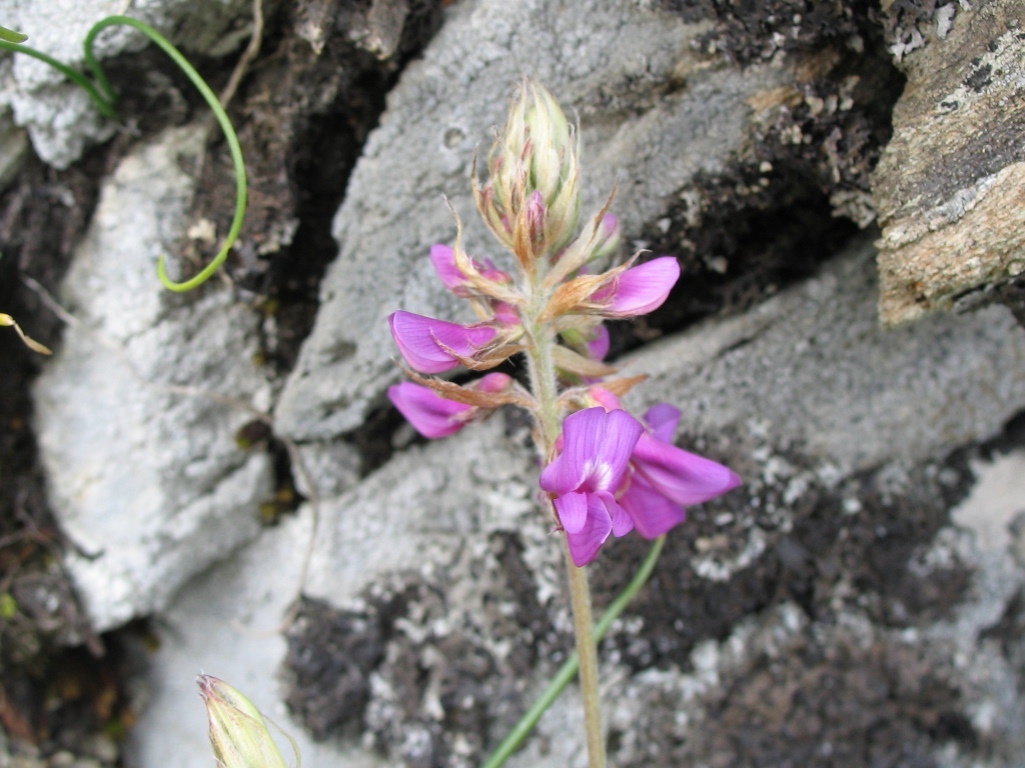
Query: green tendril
{"points": [[103, 104], [569, 668], [102, 94], [222, 118]]}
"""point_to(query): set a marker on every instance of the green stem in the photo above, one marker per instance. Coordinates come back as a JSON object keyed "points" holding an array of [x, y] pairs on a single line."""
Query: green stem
{"points": [[569, 668], [103, 104], [104, 97], [222, 118], [544, 385]]}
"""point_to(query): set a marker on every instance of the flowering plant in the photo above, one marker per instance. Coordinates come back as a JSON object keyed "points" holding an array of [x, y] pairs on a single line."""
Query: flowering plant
{"points": [[605, 472]]}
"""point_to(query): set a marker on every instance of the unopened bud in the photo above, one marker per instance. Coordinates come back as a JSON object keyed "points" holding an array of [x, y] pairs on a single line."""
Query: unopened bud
{"points": [[533, 168], [238, 733], [551, 153]]}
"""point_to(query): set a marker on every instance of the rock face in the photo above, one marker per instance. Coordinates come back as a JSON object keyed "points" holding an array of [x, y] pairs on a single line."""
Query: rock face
{"points": [[858, 602], [59, 117], [143, 469], [948, 189], [606, 60]]}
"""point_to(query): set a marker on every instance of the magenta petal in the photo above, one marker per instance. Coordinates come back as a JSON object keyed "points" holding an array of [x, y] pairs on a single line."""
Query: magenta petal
{"points": [[572, 509], [430, 346], [622, 522], [596, 450], [430, 414], [598, 345], [652, 512], [643, 288], [610, 224], [493, 383], [684, 478], [584, 544], [604, 398], [444, 262], [662, 420]]}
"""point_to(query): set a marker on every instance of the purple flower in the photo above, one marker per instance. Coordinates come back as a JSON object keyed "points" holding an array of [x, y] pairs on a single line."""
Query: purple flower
{"points": [[434, 416], [640, 289], [433, 346], [584, 477], [430, 414], [444, 261], [664, 479]]}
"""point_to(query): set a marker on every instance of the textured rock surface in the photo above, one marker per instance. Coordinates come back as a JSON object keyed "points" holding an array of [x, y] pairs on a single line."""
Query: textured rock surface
{"points": [[226, 623], [606, 60], [59, 116], [438, 584], [948, 190], [858, 602], [146, 480]]}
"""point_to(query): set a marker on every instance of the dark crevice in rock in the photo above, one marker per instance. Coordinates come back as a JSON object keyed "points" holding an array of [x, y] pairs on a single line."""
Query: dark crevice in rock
{"points": [[42, 215], [380, 435], [797, 196], [756, 30], [257, 435], [303, 114]]}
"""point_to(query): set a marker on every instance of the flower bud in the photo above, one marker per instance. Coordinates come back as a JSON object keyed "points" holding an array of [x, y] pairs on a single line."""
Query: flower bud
{"points": [[533, 182], [238, 733]]}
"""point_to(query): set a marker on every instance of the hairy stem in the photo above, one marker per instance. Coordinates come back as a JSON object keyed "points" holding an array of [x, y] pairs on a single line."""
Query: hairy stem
{"points": [[545, 387], [587, 650]]}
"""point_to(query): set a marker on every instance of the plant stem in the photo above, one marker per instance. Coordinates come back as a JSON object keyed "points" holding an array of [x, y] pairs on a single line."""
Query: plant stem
{"points": [[587, 650], [569, 668], [544, 385], [222, 119]]}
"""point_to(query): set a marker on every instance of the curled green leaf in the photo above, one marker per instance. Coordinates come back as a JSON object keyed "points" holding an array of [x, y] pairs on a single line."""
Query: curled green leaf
{"points": [[102, 94]]}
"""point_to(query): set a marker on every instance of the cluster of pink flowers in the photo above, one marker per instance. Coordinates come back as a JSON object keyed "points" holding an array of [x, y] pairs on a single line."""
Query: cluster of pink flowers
{"points": [[606, 472]]}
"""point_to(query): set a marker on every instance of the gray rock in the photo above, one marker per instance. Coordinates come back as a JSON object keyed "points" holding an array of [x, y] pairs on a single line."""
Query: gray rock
{"points": [[812, 369], [226, 623], [59, 116], [605, 61], [134, 431], [430, 516], [803, 394], [950, 228]]}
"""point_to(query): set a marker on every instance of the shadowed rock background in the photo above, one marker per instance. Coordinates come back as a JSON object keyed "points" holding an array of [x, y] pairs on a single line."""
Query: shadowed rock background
{"points": [[215, 481]]}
